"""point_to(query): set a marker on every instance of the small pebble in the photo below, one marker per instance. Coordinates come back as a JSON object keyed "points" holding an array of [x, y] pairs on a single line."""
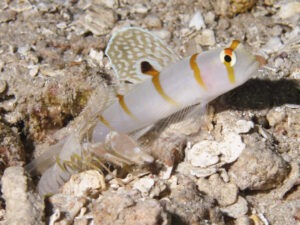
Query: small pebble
{"points": [[98, 20], [6, 16], [153, 22], [289, 9], [108, 3], [238, 209], [97, 56], [209, 17], [243, 220], [233, 7], [144, 185], [243, 126], [3, 85], [82, 183], [231, 147], [23, 50], [128, 207], [206, 38], [275, 116], [61, 25], [20, 6], [204, 154], [163, 34], [141, 8], [197, 21], [273, 45], [33, 70], [225, 193]]}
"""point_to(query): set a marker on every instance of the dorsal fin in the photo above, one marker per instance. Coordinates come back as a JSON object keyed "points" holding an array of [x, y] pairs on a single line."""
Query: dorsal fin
{"points": [[132, 49]]}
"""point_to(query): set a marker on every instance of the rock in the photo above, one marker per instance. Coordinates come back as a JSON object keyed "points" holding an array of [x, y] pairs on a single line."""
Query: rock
{"points": [[231, 148], [145, 212], [151, 185], [197, 21], [84, 183], [227, 122], [20, 6], [153, 22], [243, 126], [206, 38], [163, 34], [284, 212], [107, 3], [189, 206], [275, 116], [204, 154], [126, 207], [98, 19], [11, 148], [258, 167], [187, 169], [3, 86], [243, 220], [66, 207], [33, 70], [23, 206], [207, 153], [209, 17], [289, 9], [273, 45], [224, 193], [141, 8], [287, 131], [144, 185], [238, 209], [7, 16], [96, 57], [232, 7]]}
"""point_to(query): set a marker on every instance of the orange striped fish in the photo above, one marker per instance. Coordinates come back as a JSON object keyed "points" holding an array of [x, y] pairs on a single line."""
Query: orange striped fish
{"points": [[161, 84]]}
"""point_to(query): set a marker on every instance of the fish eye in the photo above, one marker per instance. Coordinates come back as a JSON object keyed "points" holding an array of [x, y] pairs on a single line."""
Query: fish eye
{"points": [[227, 56]]}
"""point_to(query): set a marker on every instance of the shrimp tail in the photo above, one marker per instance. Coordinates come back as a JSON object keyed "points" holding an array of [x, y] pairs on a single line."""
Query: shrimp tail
{"points": [[56, 164]]}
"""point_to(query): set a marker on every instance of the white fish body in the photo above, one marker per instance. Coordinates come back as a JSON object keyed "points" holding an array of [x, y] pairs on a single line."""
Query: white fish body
{"points": [[196, 79], [163, 85]]}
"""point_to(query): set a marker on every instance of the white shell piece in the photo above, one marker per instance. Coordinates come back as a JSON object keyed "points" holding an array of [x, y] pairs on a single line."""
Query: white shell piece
{"points": [[197, 21], [204, 154], [231, 147], [187, 169], [206, 157], [144, 185], [80, 183], [243, 126]]}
